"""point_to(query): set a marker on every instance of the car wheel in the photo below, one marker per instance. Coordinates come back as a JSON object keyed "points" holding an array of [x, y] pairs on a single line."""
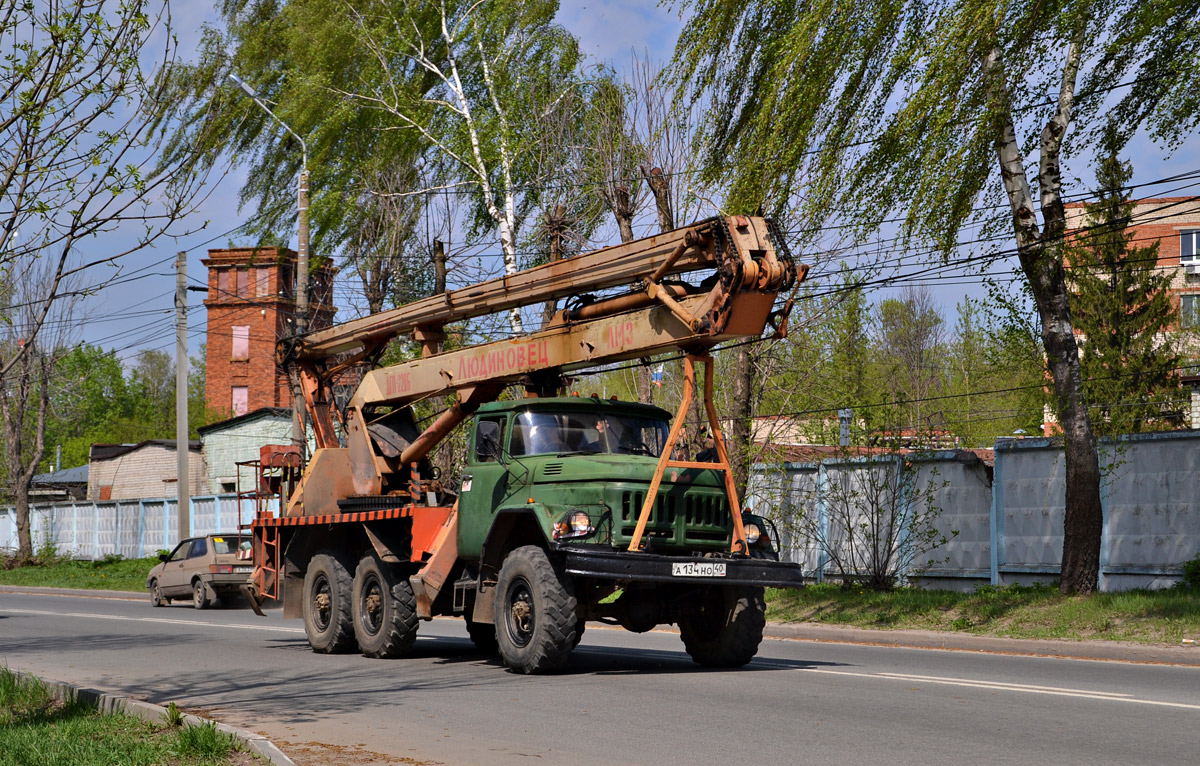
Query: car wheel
{"points": [[200, 598], [725, 628], [384, 609], [156, 596], [328, 619], [536, 624]]}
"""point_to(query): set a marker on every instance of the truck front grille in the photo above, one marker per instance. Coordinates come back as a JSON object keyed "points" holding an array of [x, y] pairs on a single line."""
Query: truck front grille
{"points": [[677, 519]]}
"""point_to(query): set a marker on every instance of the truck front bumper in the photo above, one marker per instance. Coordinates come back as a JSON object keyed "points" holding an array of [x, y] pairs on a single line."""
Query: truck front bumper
{"points": [[696, 570]]}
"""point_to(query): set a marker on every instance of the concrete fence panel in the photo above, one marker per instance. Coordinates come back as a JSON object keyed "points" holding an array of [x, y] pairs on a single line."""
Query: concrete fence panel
{"points": [[126, 528]]}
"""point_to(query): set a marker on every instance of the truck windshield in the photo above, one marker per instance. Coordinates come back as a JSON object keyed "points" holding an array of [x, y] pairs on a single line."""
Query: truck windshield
{"points": [[544, 432]]}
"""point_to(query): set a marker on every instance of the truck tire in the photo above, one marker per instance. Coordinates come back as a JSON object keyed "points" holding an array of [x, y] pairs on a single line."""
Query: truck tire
{"points": [[725, 629], [384, 609], [327, 594], [536, 624]]}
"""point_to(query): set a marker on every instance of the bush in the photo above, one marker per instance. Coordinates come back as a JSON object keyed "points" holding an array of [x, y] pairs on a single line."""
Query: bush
{"points": [[1191, 574]]}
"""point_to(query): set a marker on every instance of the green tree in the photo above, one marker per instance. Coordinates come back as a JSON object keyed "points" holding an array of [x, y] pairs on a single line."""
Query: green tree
{"points": [[450, 88], [910, 348], [928, 109], [152, 386], [995, 375], [90, 400], [1122, 305]]}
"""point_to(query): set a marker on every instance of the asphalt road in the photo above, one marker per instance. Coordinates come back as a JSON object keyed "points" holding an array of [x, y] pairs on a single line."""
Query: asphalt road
{"points": [[624, 698]]}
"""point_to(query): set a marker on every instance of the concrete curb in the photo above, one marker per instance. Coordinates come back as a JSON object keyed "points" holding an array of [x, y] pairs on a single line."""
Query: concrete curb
{"points": [[38, 590], [1107, 651], [151, 713]]}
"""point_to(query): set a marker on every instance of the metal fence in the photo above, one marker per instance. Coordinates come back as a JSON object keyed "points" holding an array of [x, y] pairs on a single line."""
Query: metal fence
{"points": [[1009, 519], [127, 528]]}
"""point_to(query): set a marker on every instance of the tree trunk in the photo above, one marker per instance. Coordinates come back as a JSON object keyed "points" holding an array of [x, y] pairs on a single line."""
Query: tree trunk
{"points": [[660, 186], [556, 228], [439, 267], [1083, 520], [623, 211], [23, 458], [1041, 257], [743, 414]]}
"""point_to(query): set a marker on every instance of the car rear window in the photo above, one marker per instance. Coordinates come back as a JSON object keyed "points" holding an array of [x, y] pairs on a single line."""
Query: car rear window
{"points": [[228, 544]]}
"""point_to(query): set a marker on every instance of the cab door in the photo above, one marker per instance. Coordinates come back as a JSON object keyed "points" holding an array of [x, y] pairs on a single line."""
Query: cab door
{"points": [[486, 483], [175, 578]]}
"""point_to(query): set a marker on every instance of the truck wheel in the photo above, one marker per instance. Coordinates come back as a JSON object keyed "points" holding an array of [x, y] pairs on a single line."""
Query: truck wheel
{"points": [[482, 635], [724, 631], [535, 612], [384, 609], [327, 594], [200, 598]]}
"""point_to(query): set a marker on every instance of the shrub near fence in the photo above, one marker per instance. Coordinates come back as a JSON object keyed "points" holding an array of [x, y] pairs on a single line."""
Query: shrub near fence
{"points": [[127, 528], [1009, 519]]}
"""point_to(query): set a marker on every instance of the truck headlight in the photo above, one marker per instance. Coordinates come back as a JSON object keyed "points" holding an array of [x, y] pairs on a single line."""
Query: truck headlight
{"points": [[752, 533], [574, 524]]}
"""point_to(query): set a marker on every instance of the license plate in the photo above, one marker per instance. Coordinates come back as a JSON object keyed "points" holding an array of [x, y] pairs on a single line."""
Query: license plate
{"points": [[243, 570], [698, 569]]}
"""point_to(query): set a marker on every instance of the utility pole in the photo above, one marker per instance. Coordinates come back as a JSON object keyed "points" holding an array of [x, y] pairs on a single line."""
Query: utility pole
{"points": [[302, 254], [298, 429], [182, 453]]}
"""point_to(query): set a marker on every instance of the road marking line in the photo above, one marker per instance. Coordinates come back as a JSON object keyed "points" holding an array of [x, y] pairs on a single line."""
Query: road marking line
{"points": [[914, 677], [1007, 687], [163, 620]]}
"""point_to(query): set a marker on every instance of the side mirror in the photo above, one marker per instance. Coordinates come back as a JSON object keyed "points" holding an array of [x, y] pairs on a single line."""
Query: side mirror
{"points": [[164, 556]]}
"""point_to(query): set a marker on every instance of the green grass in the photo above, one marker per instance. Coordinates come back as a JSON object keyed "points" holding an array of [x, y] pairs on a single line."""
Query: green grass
{"points": [[36, 728], [113, 573], [1152, 617]]}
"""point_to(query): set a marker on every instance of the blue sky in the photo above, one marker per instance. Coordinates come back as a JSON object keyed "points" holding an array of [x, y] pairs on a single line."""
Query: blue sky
{"points": [[140, 314]]}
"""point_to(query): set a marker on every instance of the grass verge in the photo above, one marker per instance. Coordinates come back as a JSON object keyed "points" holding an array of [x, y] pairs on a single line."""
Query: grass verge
{"points": [[1040, 611], [37, 728], [111, 573]]}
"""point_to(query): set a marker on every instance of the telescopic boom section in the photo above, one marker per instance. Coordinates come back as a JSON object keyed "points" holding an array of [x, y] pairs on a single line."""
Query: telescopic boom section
{"points": [[735, 273]]}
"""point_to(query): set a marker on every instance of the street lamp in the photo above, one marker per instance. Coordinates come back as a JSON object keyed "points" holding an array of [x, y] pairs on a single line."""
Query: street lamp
{"points": [[298, 427], [302, 251]]}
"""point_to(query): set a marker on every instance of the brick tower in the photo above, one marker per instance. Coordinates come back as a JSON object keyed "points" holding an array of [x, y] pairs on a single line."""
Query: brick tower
{"points": [[251, 304]]}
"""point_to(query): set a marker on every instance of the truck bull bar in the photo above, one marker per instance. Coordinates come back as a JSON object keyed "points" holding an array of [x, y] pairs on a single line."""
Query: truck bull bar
{"points": [[695, 570]]}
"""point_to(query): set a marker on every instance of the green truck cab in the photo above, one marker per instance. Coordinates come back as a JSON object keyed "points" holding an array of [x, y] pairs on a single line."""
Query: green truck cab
{"points": [[548, 506]]}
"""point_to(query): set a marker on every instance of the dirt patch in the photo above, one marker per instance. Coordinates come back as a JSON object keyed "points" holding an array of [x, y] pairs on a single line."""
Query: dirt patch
{"points": [[321, 754]]}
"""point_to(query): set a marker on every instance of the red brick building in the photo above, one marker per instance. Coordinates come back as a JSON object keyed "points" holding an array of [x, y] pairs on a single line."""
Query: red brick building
{"points": [[1174, 222], [251, 305]]}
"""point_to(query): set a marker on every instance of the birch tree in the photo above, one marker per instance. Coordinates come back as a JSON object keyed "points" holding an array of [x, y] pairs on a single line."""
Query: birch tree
{"points": [[937, 112], [374, 85], [488, 61]]}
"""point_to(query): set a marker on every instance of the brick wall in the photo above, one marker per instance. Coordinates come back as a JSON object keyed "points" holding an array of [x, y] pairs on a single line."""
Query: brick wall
{"points": [[253, 288]]}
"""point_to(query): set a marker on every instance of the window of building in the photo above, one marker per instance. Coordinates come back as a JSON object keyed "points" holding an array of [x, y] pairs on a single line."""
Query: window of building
{"points": [[285, 282], [1189, 311], [1189, 246], [222, 283], [241, 341], [262, 282], [240, 400], [243, 283]]}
